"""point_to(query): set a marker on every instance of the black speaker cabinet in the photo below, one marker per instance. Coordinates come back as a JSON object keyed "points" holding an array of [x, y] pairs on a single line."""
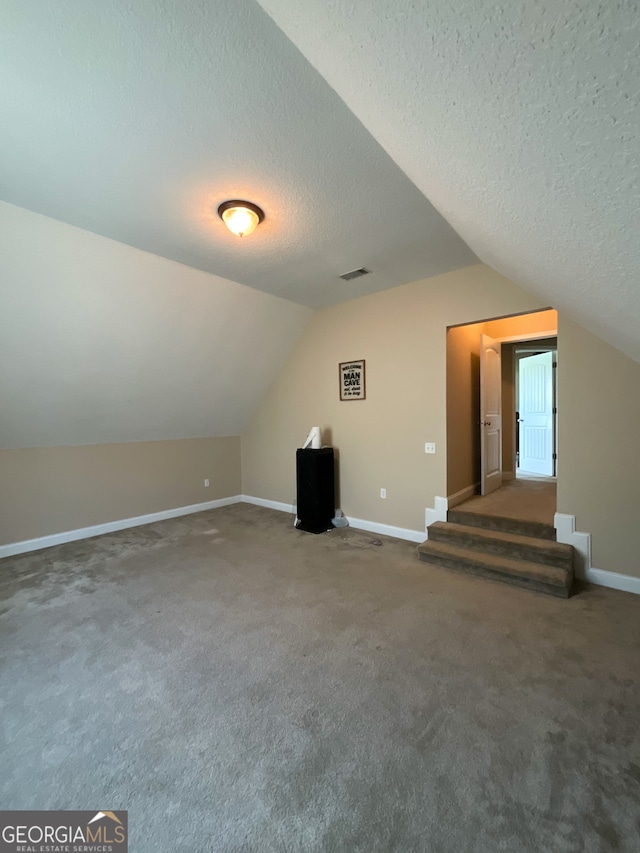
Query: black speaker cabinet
{"points": [[315, 489]]}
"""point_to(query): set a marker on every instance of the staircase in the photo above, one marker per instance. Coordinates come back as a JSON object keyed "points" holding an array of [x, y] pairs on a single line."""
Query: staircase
{"points": [[515, 551]]}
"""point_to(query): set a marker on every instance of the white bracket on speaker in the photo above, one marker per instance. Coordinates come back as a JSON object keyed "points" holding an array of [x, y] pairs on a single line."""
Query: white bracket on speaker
{"points": [[313, 440]]}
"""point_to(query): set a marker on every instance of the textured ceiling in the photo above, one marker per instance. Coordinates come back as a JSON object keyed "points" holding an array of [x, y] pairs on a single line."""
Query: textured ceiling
{"points": [[519, 121], [136, 119]]}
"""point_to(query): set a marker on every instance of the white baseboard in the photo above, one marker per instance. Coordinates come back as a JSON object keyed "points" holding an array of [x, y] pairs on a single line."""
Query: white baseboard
{"points": [[614, 580], [386, 529], [27, 545], [15, 548], [249, 499], [356, 523], [566, 532], [436, 513], [463, 495]]}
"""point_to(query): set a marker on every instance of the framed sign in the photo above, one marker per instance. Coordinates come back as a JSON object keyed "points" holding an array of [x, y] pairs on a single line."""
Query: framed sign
{"points": [[352, 380]]}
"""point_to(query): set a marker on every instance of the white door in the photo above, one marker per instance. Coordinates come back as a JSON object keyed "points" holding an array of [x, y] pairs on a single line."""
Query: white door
{"points": [[490, 415], [535, 405]]}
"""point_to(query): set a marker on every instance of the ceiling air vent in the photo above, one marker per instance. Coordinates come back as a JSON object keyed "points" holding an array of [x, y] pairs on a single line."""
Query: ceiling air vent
{"points": [[348, 276]]}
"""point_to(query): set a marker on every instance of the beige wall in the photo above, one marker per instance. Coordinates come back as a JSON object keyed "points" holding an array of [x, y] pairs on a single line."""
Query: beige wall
{"points": [[599, 457], [401, 333], [49, 490], [463, 393]]}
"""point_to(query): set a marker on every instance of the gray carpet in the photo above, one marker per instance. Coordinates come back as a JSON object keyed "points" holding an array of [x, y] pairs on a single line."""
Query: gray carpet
{"points": [[238, 685]]}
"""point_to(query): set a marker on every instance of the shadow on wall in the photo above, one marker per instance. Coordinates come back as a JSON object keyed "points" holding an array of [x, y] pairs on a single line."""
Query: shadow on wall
{"points": [[327, 439]]}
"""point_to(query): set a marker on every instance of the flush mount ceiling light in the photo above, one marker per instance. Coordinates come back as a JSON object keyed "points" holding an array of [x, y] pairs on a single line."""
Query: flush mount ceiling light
{"points": [[240, 217]]}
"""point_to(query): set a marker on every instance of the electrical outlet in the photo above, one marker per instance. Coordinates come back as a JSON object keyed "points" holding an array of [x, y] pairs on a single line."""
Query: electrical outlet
{"points": [[206, 484], [429, 447], [383, 493]]}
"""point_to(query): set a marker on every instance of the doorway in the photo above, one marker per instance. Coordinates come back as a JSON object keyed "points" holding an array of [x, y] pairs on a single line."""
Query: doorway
{"points": [[535, 367], [502, 414]]}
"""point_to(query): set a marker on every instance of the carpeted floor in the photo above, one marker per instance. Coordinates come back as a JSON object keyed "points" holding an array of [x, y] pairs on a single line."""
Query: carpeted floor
{"points": [[238, 685], [531, 498]]}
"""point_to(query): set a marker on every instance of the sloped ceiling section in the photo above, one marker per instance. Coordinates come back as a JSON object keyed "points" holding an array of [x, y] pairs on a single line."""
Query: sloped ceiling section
{"points": [[100, 342], [519, 121], [135, 119]]}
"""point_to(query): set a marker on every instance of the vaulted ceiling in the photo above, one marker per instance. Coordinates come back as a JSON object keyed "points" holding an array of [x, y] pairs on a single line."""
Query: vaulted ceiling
{"points": [[520, 122], [102, 343], [136, 118], [411, 137]]}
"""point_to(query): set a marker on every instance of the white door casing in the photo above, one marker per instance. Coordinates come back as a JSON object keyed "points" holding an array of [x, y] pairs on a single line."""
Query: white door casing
{"points": [[490, 415], [535, 407]]}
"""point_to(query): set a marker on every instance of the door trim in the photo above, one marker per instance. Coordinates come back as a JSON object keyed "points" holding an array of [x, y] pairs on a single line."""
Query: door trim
{"points": [[535, 336], [463, 495]]}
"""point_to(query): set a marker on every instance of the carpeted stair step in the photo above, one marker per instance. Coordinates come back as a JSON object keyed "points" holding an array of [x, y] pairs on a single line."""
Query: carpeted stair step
{"points": [[503, 524], [538, 576], [514, 545]]}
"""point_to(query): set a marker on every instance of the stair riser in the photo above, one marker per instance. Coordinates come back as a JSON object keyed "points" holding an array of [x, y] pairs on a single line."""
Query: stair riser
{"points": [[481, 571], [522, 552], [503, 525]]}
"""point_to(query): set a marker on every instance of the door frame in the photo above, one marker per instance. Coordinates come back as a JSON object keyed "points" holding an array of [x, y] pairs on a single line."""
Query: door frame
{"points": [[469, 436], [533, 336], [491, 420], [519, 357]]}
